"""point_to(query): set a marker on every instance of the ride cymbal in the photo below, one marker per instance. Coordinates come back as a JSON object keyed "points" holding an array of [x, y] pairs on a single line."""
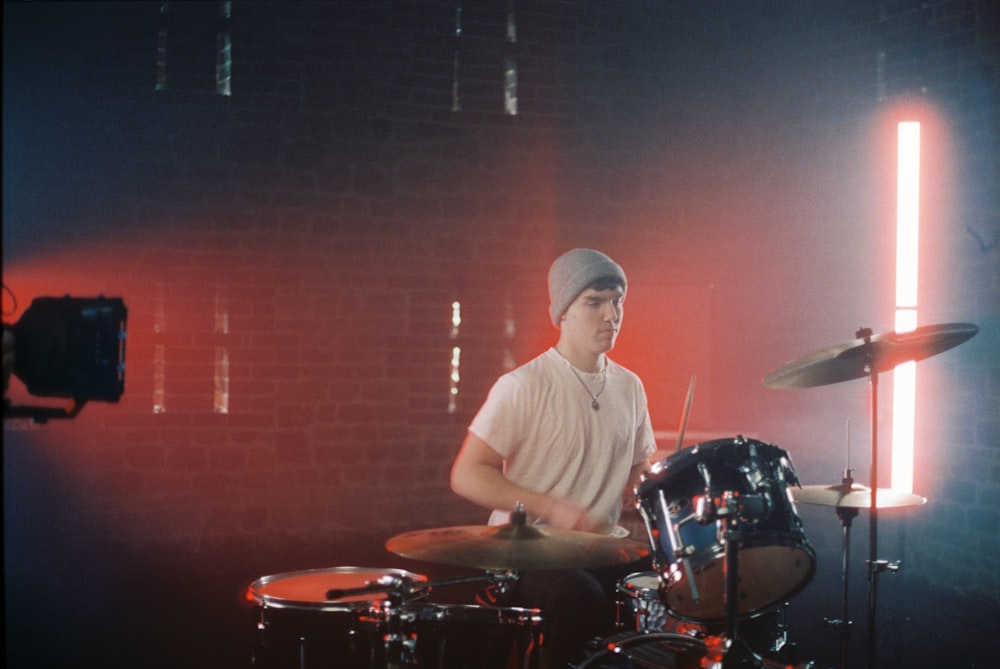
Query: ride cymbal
{"points": [[515, 547], [861, 357], [855, 496]]}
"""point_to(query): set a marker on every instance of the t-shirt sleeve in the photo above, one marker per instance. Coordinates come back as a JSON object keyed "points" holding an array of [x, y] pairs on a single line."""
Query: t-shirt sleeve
{"points": [[499, 418], [645, 441]]}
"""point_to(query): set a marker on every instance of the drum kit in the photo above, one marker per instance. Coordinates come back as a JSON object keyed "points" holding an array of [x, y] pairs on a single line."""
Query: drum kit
{"points": [[726, 543]]}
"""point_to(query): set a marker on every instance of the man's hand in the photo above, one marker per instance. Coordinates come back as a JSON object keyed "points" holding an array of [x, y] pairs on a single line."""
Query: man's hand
{"points": [[565, 515]]}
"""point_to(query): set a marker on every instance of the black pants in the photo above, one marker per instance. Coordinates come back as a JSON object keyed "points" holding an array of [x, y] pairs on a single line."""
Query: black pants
{"points": [[577, 605]]}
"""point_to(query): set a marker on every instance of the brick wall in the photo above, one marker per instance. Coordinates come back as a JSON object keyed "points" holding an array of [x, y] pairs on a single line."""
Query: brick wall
{"points": [[313, 229]]}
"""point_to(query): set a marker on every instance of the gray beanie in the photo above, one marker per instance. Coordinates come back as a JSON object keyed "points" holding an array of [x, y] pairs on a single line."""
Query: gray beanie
{"points": [[572, 272]]}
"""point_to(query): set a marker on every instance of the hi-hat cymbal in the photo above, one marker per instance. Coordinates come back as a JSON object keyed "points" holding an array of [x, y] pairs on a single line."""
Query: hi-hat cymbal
{"points": [[515, 547], [855, 496], [861, 357]]}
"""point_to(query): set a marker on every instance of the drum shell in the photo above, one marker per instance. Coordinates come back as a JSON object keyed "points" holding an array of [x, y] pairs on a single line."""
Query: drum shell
{"points": [[297, 627], [640, 607], [487, 637], [775, 557]]}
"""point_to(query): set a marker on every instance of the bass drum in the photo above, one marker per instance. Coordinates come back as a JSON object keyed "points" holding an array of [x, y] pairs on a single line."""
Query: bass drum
{"points": [[657, 650], [775, 559]]}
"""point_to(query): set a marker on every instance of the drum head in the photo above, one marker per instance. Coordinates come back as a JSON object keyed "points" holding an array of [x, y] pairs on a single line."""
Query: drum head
{"points": [[642, 584], [308, 589], [768, 576]]}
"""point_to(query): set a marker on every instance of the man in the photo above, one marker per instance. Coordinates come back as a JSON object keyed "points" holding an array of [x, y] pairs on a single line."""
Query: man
{"points": [[567, 436]]}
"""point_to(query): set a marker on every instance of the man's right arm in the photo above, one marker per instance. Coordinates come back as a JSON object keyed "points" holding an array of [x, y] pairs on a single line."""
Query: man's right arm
{"points": [[477, 475]]}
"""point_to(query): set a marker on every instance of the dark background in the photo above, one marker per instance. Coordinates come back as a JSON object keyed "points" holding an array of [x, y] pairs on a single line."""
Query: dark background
{"points": [[290, 254]]}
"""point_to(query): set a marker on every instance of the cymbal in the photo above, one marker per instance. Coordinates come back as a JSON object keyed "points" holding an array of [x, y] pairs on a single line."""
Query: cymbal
{"points": [[854, 496], [859, 358], [515, 547]]}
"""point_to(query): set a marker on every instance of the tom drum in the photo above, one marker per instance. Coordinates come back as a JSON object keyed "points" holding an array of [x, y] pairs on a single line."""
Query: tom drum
{"points": [[775, 559]]}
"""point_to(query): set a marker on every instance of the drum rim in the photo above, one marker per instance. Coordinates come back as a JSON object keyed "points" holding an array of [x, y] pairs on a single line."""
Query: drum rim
{"points": [[521, 615], [623, 588], [255, 594], [635, 638], [687, 457]]}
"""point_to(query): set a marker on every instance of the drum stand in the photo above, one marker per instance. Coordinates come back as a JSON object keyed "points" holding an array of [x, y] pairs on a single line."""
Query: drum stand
{"points": [[843, 624], [867, 356], [875, 566], [737, 654]]}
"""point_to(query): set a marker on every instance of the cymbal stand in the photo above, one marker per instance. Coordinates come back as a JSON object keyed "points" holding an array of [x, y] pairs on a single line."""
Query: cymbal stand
{"points": [[875, 566], [846, 515]]}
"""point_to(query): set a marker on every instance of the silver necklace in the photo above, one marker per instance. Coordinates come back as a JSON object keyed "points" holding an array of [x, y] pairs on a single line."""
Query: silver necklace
{"points": [[594, 404]]}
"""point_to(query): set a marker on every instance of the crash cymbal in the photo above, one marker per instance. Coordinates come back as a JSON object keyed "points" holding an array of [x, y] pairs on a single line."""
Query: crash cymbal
{"points": [[854, 496], [859, 358], [515, 547]]}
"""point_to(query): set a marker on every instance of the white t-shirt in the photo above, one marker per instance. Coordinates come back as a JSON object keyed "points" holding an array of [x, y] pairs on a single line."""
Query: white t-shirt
{"points": [[539, 418]]}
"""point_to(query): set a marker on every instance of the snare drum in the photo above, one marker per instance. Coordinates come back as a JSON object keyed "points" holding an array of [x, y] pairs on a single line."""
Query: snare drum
{"points": [[639, 605], [454, 635], [641, 608], [775, 559], [298, 627]]}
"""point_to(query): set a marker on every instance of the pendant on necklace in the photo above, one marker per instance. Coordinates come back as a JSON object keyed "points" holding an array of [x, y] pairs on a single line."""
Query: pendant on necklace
{"points": [[596, 406]]}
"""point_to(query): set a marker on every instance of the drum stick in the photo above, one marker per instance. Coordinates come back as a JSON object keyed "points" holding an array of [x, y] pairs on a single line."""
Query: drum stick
{"points": [[847, 448], [684, 414]]}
